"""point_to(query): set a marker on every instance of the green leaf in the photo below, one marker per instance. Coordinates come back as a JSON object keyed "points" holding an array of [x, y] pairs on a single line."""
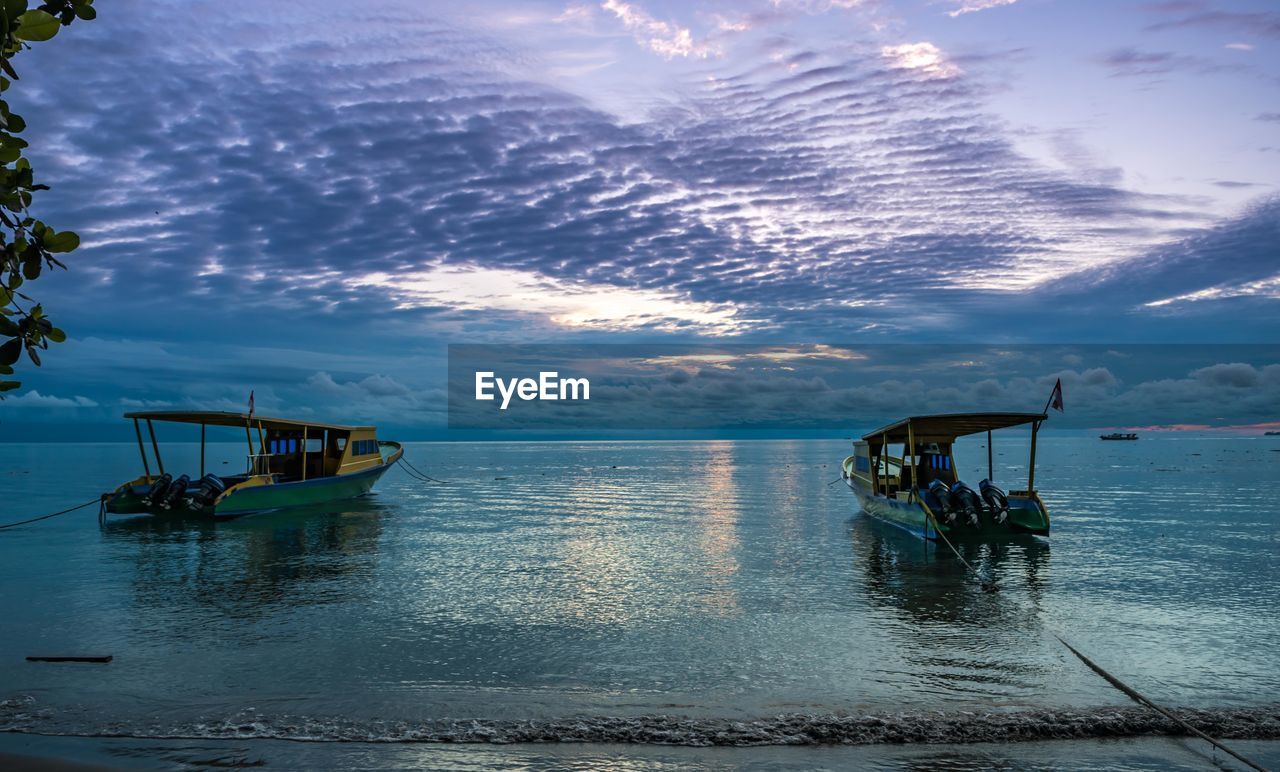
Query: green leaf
{"points": [[8, 328], [86, 12], [10, 350], [6, 297], [9, 385], [36, 26], [6, 370], [33, 355], [62, 242], [56, 335]]}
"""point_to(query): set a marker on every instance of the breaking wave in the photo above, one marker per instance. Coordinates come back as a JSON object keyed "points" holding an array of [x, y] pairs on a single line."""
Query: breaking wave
{"points": [[1258, 723]]}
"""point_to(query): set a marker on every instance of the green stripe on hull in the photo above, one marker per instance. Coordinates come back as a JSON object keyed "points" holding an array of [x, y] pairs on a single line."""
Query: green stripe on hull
{"points": [[261, 498]]}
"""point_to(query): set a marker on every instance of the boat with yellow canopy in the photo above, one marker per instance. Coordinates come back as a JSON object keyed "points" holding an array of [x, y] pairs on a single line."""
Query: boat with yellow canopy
{"points": [[919, 489], [289, 463]]}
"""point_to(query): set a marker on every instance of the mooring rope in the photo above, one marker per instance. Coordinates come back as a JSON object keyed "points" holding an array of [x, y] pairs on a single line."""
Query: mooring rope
{"points": [[1127, 690], [94, 500], [1144, 701], [417, 473], [988, 584]]}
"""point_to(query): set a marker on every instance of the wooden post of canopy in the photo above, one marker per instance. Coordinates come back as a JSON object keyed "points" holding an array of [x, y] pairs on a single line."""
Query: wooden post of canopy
{"points": [[142, 449], [911, 451], [1031, 474], [202, 450], [884, 459], [304, 453], [991, 475], [248, 441], [155, 446], [262, 449]]}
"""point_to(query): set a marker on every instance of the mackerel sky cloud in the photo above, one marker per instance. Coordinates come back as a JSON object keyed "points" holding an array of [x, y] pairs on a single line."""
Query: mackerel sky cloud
{"points": [[376, 182]]}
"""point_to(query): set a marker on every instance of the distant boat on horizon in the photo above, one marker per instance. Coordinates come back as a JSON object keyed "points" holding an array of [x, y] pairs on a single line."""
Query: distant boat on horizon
{"points": [[1118, 436], [1271, 434]]}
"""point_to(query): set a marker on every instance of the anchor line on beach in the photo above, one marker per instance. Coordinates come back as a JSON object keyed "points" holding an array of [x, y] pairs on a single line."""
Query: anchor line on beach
{"points": [[95, 500], [1121, 686], [1145, 702]]}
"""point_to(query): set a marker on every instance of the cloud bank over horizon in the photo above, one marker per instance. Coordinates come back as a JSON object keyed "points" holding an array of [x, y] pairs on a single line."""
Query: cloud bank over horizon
{"points": [[295, 194]]}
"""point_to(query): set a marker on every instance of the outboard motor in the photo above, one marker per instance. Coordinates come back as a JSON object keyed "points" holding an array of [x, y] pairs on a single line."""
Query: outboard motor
{"points": [[968, 504], [158, 489], [176, 491], [942, 493], [209, 488], [996, 499]]}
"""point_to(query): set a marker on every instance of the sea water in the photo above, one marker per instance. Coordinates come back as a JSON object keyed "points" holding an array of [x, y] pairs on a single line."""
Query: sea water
{"points": [[628, 594]]}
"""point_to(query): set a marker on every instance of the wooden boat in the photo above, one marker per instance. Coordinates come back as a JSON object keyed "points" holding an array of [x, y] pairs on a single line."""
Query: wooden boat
{"points": [[294, 463], [919, 490], [1118, 436]]}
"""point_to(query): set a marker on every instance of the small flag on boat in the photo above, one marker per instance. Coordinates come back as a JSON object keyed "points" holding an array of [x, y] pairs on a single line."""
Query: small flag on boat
{"points": [[251, 403], [1055, 399]]}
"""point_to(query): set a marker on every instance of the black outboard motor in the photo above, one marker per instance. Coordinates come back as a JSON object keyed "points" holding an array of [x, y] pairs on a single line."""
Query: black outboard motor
{"points": [[210, 488], [996, 499], [942, 493], [176, 491], [968, 504], [158, 489]]}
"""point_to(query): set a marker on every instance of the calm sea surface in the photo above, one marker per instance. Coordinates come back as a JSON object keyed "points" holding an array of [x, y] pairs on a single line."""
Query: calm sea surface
{"points": [[636, 591]]}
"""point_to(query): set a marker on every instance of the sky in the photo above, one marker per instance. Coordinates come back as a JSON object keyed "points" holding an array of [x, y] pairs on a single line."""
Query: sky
{"points": [[314, 199]]}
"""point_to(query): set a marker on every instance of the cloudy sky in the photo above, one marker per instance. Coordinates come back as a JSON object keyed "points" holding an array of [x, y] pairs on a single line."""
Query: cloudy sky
{"points": [[312, 199]]}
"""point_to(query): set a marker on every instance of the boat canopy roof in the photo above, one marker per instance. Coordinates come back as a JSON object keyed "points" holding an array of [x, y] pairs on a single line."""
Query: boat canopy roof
{"points": [[948, 426], [225, 418]]}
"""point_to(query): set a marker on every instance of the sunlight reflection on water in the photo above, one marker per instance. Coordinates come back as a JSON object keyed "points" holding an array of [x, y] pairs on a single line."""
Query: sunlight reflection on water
{"points": [[715, 578]]}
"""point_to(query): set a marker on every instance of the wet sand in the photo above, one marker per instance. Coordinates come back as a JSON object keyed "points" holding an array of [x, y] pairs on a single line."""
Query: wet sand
{"points": [[20, 762], [88, 754]]}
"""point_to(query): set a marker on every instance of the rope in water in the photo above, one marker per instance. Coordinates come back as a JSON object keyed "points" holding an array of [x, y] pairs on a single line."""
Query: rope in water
{"points": [[1127, 690], [416, 473], [987, 583], [94, 500]]}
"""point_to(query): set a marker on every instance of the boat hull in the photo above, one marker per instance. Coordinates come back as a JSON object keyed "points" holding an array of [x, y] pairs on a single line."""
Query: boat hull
{"points": [[1026, 515], [251, 499]]}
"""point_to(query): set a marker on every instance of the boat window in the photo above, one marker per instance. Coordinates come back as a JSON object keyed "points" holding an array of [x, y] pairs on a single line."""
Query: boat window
{"points": [[342, 444], [293, 446], [314, 444], [364, 447]]}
